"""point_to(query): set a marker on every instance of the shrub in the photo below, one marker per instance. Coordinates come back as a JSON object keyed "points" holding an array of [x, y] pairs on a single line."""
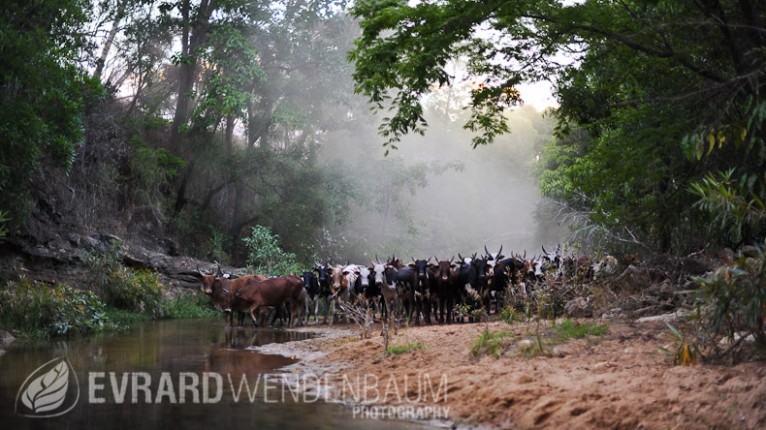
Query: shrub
{"points": [[266, 257], [135, 290], [736, 297], [509, 315], [190, 304], [35, 308], [493, 343], [125, 288]]}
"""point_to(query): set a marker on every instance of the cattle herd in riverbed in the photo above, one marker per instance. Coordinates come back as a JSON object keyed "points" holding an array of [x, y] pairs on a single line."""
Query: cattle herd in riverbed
{"points": [[421, 290]]}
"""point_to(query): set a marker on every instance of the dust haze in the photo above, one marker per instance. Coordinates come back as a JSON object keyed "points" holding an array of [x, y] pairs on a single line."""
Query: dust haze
{"points": [[437, 196]]}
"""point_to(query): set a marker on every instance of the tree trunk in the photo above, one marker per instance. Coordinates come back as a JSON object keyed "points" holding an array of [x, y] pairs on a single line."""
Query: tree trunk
{"points": [[192, 39], [228, 138], [109, 40]]}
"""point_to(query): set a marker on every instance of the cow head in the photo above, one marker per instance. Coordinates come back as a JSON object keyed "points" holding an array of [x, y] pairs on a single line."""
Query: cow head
{"points": [[421, 269], [339, 282], [444, 270], [220, 295], [389, 276], [324, 276], [377, 271], [554, 259], [207, 280], [482, 269]]}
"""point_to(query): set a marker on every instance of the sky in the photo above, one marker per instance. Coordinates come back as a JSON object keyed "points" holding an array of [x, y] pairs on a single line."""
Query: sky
{"points": [[539, 95]]}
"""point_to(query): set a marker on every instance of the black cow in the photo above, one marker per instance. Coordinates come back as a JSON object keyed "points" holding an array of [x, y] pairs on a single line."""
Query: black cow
{"points": [[468, 282], [445, 292], [422, 280], [505, 270], [324, 278], [311, 285]]}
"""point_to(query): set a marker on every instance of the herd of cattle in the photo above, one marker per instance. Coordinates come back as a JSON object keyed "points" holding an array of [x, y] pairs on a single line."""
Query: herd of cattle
{"points": [[421, 288]]}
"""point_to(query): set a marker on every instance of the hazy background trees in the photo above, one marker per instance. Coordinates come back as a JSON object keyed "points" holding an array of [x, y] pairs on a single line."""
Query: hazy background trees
{"points": [[659, 142]]}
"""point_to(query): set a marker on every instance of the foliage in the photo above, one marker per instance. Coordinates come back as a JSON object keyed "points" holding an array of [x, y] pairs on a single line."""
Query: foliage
{"points": [[405, 348], [736, 208], [152, 170], [569, 329], [3, 225], [125, 288], [188, 304], [51, 311], [265, 255], [493, 343], [509, 315], [685, 353], [632, 142], [736, 294], [44, 93]]}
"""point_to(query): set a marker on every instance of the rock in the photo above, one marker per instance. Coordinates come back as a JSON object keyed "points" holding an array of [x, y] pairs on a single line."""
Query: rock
{"points": [[673, 316], [749, 338], [578, 308], [749, 251], [6, 338], [726, 255]]}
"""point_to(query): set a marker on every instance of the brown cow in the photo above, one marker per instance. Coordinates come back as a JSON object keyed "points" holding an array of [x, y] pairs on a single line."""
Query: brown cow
{"points": [[271, 292], [222, 291]]}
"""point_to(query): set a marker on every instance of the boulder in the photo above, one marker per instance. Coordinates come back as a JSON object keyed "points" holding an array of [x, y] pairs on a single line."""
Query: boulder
{"points": [[579, 307]]}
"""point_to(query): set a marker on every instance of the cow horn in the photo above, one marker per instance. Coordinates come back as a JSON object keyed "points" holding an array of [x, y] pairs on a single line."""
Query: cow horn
{"points": [[452, 259], [486, 250], [460, 257], [544, 251], [525, 254], [499, 251]]}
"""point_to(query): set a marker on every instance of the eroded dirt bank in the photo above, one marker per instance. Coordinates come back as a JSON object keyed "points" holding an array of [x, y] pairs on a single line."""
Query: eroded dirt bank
{"points": [[620, 380]]}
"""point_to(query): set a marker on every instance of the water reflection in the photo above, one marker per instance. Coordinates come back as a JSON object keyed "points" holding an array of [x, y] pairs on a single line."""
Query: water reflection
{"points": [[173, 347]]}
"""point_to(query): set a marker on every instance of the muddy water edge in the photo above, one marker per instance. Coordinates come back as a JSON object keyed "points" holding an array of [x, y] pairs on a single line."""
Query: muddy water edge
{"points": [[165, 374]]}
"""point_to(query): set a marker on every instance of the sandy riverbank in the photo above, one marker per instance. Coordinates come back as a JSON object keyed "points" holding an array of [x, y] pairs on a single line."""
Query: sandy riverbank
{"points": [[620, 380]]}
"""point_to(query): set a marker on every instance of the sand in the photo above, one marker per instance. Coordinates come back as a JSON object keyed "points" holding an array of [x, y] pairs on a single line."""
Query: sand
{"points": [[619, 380]]}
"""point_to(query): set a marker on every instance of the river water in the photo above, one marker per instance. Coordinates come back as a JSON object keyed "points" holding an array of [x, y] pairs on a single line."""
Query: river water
{"points": [[167, 374]]}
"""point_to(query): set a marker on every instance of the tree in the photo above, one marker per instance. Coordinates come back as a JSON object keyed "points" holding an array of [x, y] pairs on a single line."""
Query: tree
{"points": [[44, 92], [668, 93]]}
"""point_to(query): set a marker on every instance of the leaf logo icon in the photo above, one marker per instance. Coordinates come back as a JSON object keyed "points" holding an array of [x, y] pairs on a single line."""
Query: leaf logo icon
{"points": [[44, 392]]}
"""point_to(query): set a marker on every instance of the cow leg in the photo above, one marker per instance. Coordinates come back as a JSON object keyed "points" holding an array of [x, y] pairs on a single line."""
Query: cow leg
{"points": [[253, 310]]}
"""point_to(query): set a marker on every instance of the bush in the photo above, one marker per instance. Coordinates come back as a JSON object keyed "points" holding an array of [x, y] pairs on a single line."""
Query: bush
{"points": [[266, 257], [37, 309], [736, 297], [135, 290], [125, 288], [189, 304]]}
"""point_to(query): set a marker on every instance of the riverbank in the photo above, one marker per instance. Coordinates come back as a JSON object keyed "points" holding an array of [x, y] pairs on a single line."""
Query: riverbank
{"points": [[619, 380]]}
